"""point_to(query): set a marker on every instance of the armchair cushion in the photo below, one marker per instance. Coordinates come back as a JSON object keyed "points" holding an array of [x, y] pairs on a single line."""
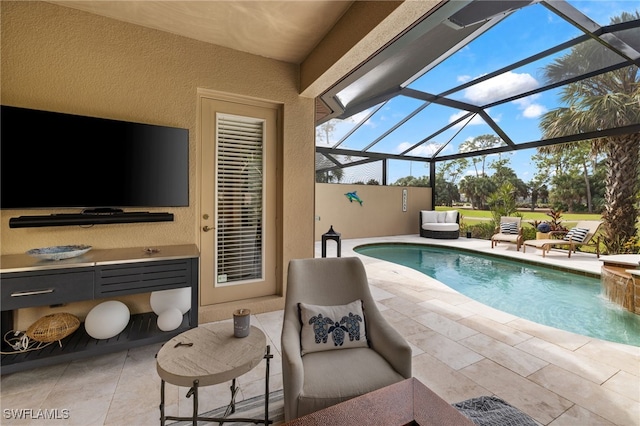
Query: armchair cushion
{"points": [[326, 328], [334, 376]]}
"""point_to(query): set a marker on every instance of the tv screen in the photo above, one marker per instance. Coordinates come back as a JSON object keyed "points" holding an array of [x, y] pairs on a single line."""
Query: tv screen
{"points": [[53, 160]]}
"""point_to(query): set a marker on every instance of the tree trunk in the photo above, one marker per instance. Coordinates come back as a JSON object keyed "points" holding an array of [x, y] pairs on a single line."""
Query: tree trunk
{"points": [[621, 212], [585, 173]]}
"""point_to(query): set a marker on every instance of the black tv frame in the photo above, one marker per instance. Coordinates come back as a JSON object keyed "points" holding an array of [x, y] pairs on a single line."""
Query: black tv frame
{"points": [[103, 174]]}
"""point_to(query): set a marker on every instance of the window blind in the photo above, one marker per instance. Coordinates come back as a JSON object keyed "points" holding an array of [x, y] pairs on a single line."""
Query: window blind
{"points": [[239, 198]]}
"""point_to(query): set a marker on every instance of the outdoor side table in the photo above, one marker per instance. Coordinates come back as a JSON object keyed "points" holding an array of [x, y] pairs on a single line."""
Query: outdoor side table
{"points": [[208, 355]]}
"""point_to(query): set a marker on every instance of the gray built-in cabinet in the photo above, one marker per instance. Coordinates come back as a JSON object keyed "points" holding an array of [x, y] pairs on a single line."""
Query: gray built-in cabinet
{"points": [[99, 274]]}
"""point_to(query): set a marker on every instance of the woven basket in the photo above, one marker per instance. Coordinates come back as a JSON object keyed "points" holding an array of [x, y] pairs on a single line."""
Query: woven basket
{"points": [[53, 327]]}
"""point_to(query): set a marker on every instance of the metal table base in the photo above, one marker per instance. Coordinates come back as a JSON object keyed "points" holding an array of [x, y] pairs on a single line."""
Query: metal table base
{"points": [[231, 408]]}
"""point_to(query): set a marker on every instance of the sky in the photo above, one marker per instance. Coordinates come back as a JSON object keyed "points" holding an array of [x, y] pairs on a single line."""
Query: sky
{"points": [[511, 40]]}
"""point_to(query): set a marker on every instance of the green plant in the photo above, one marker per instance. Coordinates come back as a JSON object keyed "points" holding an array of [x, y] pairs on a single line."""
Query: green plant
{"points": [[528, 233], [631, 246], [556, 220], [503, 202], [484, 230], [463, 225]]}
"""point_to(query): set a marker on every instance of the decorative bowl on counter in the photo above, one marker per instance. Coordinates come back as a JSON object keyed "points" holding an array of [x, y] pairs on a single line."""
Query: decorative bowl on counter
{"points": [[58, 252]]}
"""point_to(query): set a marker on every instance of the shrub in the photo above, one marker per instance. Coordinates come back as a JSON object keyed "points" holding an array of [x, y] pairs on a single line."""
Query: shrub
{"points": [[483, 230], [528, 233]]}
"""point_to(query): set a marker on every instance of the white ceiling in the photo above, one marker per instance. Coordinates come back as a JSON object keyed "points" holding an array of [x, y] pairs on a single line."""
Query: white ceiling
{"points": [[282, 30]]}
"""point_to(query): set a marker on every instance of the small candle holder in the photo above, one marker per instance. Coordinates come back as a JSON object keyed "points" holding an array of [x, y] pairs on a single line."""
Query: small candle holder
{"points": [[241, 322]]}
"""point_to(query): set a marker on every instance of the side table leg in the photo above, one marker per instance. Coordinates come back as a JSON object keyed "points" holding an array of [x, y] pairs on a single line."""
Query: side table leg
{"points": [[268, 357], [194, 391], [162, 419], [232, 404]]}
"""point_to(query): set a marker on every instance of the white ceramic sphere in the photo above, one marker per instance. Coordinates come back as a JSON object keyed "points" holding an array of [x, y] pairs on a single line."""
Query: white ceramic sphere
{"points": [[107, 319], [175, 298], [169, 319]]}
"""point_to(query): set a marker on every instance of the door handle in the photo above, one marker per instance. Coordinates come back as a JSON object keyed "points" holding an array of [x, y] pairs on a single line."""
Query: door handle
{"points": [[207, 228]]}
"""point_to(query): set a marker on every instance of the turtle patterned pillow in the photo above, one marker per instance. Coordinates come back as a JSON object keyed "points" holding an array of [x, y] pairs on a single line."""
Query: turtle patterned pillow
{"points": [[326, 328]]}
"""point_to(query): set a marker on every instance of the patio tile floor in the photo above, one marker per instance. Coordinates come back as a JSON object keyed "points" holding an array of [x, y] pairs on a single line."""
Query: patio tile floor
{"points": [[462, 349]]}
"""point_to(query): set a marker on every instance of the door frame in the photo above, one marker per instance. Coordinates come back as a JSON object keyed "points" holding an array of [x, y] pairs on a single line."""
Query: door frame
{"points": [[209, 94]]}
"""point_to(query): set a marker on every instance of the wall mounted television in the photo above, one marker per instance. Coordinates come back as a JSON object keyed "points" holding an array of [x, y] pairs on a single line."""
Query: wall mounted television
{"points": [[53, 160]]}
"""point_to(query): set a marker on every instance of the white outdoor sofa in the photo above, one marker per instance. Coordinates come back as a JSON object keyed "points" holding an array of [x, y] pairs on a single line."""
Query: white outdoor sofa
{"points": [[441, 225]]}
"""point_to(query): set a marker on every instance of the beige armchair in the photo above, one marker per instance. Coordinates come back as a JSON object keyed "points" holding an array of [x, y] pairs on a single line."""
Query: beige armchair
{"points": [[317, 380]]}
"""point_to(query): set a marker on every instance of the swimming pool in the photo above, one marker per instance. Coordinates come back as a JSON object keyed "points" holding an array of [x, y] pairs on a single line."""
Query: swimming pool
{"points": [[547, 296]]}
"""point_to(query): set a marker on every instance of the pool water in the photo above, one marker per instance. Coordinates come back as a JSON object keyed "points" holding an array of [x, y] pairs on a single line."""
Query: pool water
{"points": [[547, 296]]}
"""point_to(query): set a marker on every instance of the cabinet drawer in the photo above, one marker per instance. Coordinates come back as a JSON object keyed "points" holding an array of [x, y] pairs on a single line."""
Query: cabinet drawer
{"points": [[129, 278], [26, 289]]}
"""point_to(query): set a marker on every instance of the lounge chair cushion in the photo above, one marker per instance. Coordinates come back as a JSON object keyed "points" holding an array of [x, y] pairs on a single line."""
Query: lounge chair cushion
{"points": [[510, 238], [576, 234], [326, 328]]}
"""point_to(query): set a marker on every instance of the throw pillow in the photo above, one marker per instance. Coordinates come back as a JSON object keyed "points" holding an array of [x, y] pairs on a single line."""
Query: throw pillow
{"points": [[326, 328], [577, 234], [509, 228], [451, 216], [429, 216]]}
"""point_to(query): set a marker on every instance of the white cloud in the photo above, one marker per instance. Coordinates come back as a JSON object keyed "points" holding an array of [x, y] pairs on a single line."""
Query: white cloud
{"points": [[423, 150], [534, 111], [500, 87], [529, 108], [475, 121], [463, 78]]}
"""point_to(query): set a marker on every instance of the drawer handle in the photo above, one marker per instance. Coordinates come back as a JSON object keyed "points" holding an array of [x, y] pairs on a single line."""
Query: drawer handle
{"points": [[32, 293]]}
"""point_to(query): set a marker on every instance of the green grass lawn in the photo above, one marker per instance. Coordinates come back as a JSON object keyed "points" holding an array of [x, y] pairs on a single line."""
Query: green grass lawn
{"points": [[472, 217]]}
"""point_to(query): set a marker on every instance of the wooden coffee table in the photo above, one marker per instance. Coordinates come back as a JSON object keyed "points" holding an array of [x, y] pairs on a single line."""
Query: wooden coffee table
{"points": [[209, 355], [408, 402]]}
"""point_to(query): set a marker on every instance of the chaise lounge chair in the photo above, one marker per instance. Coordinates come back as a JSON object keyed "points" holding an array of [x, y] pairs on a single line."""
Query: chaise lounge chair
{"points": [[584, 233], [508, 231]]}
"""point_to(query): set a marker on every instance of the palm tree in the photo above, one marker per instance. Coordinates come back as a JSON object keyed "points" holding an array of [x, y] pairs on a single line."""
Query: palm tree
{"points": [[601, 102], [326, 170]]}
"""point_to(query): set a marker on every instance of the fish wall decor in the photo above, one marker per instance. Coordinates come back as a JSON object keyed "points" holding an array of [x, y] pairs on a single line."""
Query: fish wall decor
{"points": [[352, 196]]}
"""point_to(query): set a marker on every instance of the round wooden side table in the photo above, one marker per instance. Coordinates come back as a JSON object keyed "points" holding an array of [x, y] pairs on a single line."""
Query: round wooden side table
{"points": [[208, 355]]}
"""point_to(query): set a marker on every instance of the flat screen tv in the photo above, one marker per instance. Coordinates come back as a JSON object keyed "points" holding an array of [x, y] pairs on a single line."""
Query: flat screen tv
{"points": [[56, 160]]}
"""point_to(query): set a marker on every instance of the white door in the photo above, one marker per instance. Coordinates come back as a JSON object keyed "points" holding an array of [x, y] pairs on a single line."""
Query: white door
{"points": [[238, 200]]}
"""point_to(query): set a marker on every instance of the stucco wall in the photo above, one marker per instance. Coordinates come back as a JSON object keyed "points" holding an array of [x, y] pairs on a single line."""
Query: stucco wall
{"points": [[379, 215], [60, 59]]}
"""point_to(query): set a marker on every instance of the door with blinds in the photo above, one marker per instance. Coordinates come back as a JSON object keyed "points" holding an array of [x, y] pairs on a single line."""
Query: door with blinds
{"points": [[238, 195]]}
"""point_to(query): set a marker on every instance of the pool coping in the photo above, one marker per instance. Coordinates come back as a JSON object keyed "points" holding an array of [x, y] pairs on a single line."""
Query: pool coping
{"points": [[497, 256]]}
